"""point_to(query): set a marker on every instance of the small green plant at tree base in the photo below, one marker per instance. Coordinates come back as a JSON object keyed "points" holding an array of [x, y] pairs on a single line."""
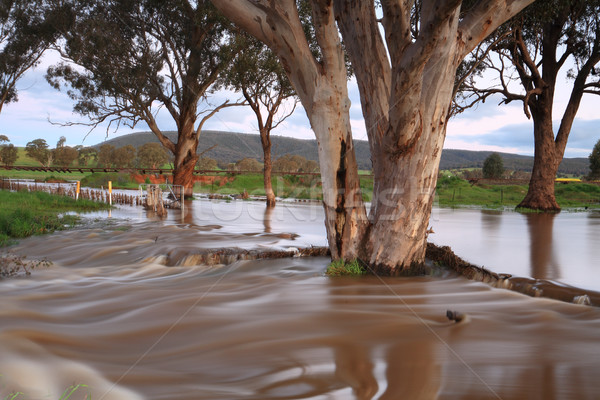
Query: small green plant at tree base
{"points": [[345, 268]]}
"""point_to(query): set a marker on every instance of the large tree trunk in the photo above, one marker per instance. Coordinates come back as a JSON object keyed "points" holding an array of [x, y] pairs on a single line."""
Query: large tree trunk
{"points": [[548, 154], [540, 195], [186, 157], [345, 213], [405, 108], [406, 112], [265, 138]]}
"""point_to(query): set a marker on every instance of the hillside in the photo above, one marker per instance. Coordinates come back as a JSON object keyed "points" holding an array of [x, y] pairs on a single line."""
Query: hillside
{"points": [[232, 147]]}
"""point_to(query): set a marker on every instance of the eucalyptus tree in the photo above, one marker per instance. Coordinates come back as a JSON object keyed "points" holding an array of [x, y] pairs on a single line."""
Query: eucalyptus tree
{"points": [[405, 70], [27, 29], [528, 55], [258, 75], [594, 159], [39, 151], [126, 60], [8, 152]]}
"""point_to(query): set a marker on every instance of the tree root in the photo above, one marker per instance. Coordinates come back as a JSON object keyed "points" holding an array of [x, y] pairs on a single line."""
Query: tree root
{"points": [[445, 257]]}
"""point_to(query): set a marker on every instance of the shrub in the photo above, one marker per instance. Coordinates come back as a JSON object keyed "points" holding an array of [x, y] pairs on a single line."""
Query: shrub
{"points": [[493, 167], [343, 268]]}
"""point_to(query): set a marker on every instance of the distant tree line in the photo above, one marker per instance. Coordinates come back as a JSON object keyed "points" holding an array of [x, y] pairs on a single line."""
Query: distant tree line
{"points": [[149, 155]]}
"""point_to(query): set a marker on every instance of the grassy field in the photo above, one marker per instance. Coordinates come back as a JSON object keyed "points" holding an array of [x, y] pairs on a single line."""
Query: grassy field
{"points": [[24, 214], [453, 191]]}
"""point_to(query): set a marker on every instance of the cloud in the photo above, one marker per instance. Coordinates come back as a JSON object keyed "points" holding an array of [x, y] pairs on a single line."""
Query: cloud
{"points": [[518, 138]]}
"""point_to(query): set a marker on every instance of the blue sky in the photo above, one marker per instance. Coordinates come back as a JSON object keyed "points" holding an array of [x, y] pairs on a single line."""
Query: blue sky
{"points": [[487, 127]]}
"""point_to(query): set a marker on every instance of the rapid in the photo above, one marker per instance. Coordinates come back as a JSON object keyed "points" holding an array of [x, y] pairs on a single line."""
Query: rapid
{"points": [[127, 310]]}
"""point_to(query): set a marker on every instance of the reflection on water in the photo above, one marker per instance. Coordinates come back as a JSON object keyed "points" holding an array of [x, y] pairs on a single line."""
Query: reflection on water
{"points": [[111, 315], [561, 247], [541, 247]]}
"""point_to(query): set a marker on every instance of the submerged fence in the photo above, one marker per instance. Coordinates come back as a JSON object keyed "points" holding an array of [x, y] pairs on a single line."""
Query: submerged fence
{"points": [[70, 189]]}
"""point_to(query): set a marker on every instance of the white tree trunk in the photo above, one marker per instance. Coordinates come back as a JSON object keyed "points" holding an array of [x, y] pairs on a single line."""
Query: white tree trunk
{"points": [[405, 101], [345, 213]]}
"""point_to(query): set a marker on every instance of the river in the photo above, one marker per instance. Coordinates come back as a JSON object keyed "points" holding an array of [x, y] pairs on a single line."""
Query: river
{"points": [[126, 311]]}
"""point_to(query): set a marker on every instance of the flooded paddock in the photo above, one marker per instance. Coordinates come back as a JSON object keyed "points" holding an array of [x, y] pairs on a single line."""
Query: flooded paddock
{"points": [[125, 310]]}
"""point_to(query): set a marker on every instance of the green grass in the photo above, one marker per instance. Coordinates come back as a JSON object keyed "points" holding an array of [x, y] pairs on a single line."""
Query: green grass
{"points": [[40, 175], [343, 268], [453, 191], [25, 214], [24, 159]]}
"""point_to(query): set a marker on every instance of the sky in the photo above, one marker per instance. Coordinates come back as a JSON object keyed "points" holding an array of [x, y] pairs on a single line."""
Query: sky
{"points": [[489, 126]]}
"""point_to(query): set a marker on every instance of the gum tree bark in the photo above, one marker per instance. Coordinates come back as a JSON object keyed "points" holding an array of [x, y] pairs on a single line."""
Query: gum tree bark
{"points": [[405, 101]]}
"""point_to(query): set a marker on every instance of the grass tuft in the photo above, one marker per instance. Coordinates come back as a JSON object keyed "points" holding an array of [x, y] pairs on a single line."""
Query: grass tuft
{"points": [[345, 268]]}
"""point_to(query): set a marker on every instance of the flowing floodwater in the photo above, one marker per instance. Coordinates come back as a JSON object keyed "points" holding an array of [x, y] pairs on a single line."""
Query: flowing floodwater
{"points": [[127, 312]]}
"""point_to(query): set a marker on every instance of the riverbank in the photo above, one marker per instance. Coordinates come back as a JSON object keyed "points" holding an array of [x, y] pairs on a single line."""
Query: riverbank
{"points": [[25, 214]]}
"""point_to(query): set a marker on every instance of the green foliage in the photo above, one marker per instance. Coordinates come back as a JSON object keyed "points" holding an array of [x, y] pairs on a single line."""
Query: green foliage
{"points": [[206, 163], [87, 154], [64, 156], [128, 59], [8, 154], [38, 150], [295, 163], [124, 157], [27, 29], [493, 167], [24, 214], [152, 155], [248, 164], [345, 268], [594, 158], [105, 155]]}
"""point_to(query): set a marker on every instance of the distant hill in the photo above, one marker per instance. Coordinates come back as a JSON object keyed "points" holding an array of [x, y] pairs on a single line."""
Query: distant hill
{"points": [[232, 147]]}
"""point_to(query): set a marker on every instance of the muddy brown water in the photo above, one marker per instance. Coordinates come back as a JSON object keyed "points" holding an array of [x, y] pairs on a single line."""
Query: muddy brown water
{"points": [[111, 315]]}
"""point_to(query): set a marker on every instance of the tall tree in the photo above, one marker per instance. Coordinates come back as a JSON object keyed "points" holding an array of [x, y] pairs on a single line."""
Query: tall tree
{"points": [[493, 166], [8, 152], [138, 56], [124, 157], [86, 154], [594, 158], [64, 155], [152, 155], [405, 79], [528, 54], [27, 29], [258, 75], [106, 155], [38, 150]]}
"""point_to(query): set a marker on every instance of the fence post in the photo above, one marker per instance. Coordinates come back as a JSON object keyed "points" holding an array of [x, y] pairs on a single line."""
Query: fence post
{"points": [[110, 193]]}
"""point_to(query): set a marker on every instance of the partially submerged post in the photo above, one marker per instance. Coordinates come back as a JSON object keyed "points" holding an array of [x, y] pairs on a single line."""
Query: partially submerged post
{"points": [[154, 200]]}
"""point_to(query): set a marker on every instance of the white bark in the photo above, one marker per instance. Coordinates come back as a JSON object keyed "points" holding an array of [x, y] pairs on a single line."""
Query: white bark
{"points": [[405, 101]]}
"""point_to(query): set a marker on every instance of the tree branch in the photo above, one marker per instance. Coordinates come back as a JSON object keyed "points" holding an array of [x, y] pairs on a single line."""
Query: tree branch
{"points": [[484, 18]]}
